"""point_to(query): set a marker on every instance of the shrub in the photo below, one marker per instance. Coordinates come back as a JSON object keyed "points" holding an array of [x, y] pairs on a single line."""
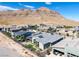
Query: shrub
{"points": [[68, 27], [30, 47], [7, 33], [20, 38], [33, 49], [34, 27]]}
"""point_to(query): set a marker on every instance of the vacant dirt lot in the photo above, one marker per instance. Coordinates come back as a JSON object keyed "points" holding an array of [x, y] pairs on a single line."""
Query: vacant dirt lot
{"points": [[9, 48]]}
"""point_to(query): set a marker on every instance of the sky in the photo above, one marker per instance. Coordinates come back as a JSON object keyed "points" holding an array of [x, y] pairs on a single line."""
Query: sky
{"points": [[69, 10]]}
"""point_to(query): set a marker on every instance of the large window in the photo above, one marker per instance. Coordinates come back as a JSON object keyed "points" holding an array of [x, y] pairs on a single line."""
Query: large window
{"points": [[37, 43], [46, 45]]}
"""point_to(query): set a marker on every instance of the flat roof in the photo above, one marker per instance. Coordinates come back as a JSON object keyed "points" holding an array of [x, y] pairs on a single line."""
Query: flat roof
{"points": [[63, 42], [68, 41], [72, 50], [47, 37], [21, 32], [71, 45]]}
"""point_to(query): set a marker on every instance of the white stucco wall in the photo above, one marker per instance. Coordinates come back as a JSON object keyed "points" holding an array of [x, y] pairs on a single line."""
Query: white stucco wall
{"points": [[33, 39], [41, 46], [12, 34]]}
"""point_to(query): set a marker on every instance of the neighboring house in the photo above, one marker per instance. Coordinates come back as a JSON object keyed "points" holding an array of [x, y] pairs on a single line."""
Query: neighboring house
{"points": [[77, 28], [5, 29], [45, 40], [14, 28], [11, 28], [21, 32], [77, 31], [68, 47], [44, 28]]}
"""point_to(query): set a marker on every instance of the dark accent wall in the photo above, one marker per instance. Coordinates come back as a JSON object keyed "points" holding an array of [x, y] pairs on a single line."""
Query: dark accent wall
{"points": [[56, 41]]}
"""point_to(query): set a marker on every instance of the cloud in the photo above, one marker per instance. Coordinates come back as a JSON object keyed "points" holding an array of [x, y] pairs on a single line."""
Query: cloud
{"points": [[48, 3], [28, 6], [5, 8], [20, 4]]}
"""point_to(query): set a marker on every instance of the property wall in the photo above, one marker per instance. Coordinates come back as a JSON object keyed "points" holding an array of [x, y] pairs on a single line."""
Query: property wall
{"points": [[41, 46]]}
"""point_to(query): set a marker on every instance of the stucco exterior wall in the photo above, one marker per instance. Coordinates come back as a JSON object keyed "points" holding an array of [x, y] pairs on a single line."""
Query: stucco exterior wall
{"points": [[41, 46]]}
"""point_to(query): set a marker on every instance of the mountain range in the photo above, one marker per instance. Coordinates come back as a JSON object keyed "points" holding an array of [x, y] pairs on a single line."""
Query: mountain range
{"points": [[42, 15]]}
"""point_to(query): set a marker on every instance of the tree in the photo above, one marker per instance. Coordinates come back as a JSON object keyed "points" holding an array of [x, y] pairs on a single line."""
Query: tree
{"points": [[49, 29], [67, 27], [34, 27], [20, 38], [8, 34], [67, 34]]}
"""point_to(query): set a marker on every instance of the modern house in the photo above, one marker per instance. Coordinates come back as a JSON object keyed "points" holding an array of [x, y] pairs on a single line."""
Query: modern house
{"points": [[13, 28], [10, 28], [44, 27], [45, 40], [77, 28], [68, 47], [21, 32]]}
